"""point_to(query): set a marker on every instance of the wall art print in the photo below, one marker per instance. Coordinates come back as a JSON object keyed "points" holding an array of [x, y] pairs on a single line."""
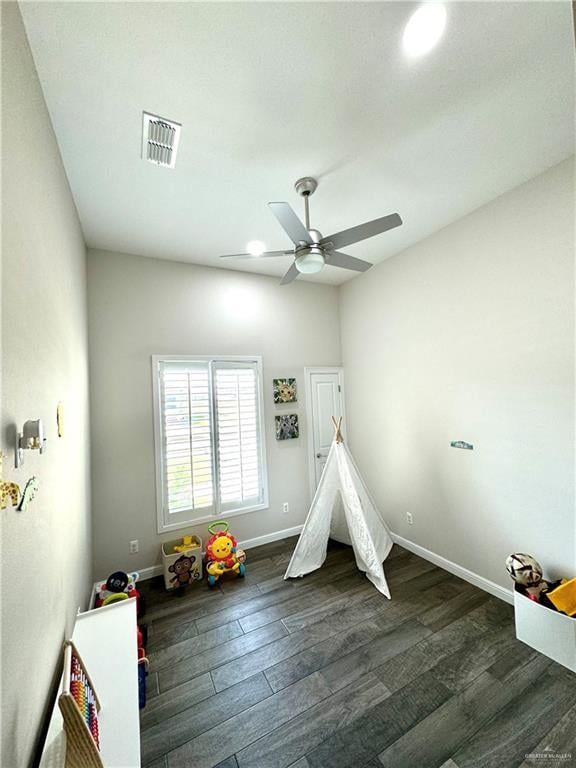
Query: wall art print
{"points": [[287, 427], [284, 390]]}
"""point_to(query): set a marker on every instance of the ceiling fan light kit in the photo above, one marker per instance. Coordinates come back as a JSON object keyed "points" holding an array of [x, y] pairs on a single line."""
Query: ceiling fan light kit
{"points": [[312, 251], [310, 262]]}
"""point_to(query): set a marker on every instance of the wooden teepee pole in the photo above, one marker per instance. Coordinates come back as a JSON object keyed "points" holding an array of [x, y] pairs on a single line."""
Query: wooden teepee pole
{"points": [[337, 424]]}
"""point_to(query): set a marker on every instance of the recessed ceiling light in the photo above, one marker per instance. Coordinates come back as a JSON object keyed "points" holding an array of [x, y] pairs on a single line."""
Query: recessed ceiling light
{"points": [[424, 28], [255, 247]]}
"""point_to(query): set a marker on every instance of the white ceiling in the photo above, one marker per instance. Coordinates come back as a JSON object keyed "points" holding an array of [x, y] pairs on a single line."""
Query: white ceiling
{"points": [[269, 92]]}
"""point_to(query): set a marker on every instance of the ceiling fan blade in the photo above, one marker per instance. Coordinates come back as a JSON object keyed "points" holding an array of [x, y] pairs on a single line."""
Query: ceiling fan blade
{"points": [[290, 223], [337, 259], [362, 231], [264, 255], [291, 275]]}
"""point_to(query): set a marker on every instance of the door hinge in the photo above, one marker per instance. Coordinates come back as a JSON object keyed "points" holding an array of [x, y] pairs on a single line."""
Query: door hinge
{"points": [[339, 388]]}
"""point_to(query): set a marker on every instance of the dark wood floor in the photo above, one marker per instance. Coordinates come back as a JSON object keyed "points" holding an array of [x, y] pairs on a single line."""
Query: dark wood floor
{"points": [[325, 672]]}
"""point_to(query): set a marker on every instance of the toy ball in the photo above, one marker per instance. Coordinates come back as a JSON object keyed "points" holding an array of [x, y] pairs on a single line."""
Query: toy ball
{"points": [[524, 569]]}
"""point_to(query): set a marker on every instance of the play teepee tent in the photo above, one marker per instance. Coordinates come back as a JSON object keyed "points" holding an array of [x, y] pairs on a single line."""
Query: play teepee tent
{"points": [[342, 509]]}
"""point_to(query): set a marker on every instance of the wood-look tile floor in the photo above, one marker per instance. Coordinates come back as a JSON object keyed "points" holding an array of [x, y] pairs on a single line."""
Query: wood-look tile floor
{"points": [[325, 672]]}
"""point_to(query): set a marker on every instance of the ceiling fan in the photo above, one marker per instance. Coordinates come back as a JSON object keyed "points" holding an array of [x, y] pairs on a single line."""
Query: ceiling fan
{"points": [[311, 250]]}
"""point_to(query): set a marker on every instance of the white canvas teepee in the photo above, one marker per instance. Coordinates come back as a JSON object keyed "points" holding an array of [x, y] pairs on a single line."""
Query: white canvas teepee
{"points": [[342, 509]]}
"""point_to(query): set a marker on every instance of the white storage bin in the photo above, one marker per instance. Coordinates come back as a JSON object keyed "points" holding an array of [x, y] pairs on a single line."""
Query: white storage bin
{"points": [[551, 633]]}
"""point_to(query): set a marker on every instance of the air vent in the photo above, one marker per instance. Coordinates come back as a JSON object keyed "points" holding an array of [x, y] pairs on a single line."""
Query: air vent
{"points": [[160, 139]]}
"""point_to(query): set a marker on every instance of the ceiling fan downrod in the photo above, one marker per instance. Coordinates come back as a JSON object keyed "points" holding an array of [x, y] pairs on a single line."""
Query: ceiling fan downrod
{"points": [[306, 187]]}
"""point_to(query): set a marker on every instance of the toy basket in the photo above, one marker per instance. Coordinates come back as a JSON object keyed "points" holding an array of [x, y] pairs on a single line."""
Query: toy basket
{"points": [[174, 563], [550, 632]]}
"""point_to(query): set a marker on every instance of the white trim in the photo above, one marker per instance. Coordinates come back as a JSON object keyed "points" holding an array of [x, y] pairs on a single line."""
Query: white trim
{"points": [[458, 570], [157, 570], [310, 417], [270, 537], [150, 572]]}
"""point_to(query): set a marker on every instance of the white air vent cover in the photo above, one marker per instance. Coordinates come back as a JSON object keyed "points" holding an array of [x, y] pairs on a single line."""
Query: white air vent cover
{"points": [[160, 139]]}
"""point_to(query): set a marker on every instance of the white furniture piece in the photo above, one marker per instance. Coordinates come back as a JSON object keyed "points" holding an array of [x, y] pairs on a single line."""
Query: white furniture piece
{"points": [[545, 630], [106, 640]]}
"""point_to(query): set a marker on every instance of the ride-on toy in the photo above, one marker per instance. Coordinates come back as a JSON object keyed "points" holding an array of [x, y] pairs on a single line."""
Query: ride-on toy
{"points": [[222, 553]]}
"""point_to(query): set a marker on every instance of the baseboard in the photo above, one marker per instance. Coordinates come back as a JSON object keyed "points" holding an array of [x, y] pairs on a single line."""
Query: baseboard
{"points": [[156, 570], [150, 572], [268, 538], [458, 570]]}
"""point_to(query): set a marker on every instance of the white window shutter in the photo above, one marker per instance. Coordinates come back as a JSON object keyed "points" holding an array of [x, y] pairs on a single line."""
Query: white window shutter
{"points": [[238, 434], [187, 437], [210, 456]]}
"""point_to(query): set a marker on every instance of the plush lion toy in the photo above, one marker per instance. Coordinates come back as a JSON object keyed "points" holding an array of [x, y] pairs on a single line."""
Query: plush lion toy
{"points": [[222, 554]]}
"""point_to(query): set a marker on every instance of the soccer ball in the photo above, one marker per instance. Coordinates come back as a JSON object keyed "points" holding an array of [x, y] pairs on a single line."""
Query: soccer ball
{"points": [[524, 569]]}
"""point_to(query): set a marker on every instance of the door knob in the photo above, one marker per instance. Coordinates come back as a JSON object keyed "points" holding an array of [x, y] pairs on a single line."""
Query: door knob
{"points": [[318, 455]]}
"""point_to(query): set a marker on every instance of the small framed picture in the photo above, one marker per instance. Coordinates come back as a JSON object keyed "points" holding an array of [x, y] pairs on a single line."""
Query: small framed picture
{"points": [[287, 427], [285, 390]]}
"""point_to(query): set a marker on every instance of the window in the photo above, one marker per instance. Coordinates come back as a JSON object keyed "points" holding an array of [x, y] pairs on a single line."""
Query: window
{"points": [[210, 453]]}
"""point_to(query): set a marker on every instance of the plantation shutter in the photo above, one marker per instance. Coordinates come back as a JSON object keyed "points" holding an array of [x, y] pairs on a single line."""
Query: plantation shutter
{"points": [[237, 431], [187, 439], [210, 450]]}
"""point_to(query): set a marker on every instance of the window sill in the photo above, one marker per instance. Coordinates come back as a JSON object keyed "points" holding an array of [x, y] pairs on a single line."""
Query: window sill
{"points": [[211, 518]]}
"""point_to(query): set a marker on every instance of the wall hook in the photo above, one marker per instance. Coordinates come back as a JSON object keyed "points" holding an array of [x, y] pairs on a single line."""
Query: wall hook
{"points": [[30, 439]]}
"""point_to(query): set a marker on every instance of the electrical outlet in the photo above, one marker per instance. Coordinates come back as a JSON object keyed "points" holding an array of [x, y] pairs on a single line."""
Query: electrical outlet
{"points": [[285, 508], [134, 546], [409, 518]]}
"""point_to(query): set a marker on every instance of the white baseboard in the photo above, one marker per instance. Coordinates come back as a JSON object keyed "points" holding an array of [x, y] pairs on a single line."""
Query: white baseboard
{"points": [[270, 537], [156, 570], [150, 572], [458, 570]]}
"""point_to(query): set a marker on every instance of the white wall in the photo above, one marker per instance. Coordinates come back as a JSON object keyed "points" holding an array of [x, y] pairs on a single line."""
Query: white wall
{"points": [[46, 551], [470, 335], [139, 307]]}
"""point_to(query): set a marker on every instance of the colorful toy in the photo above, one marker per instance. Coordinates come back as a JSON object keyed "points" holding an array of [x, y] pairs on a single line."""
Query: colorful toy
{"points": [[187, 543], [527, 574], [118, 581], [564, 597], [79, 706], [119, 586], [143, 664], [114, 597], [222, 553]]}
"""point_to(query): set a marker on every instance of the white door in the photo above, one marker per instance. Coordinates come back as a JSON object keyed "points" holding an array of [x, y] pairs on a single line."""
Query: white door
{"points": [[325, 398]]}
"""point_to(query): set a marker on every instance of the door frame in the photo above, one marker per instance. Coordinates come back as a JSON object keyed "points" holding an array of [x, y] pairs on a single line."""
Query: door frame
{"points": [[309, 416]]}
